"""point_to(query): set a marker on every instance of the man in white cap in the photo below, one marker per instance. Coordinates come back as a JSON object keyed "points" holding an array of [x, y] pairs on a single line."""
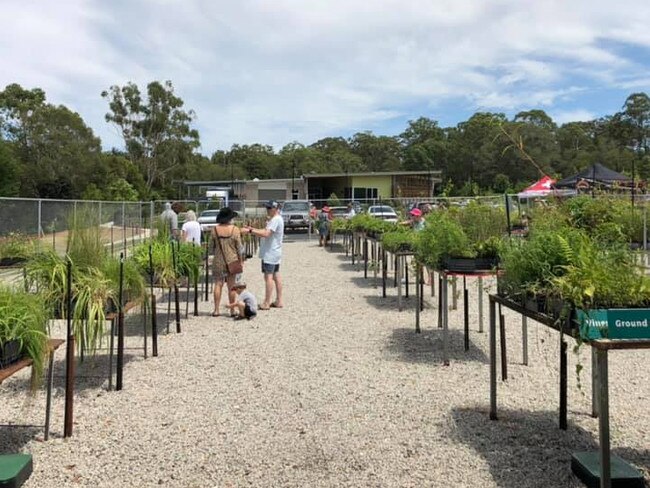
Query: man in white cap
{"points": [[271, 254]]}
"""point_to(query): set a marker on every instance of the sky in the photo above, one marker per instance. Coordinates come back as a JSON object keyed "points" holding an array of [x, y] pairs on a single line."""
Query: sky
{"points": [[279, 71]]}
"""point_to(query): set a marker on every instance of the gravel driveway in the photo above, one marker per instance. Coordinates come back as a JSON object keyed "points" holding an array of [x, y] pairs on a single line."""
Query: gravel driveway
{"points": [[334, 390]]}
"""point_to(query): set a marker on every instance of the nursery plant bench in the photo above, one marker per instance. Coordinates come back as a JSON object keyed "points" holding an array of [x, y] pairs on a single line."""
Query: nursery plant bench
{"points": [[7, 372], [591, 469], [401, 264], [443, 303]]}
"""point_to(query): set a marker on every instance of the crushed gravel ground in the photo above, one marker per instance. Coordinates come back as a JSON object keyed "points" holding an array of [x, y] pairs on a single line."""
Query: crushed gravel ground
{"points": [[334, 390]]}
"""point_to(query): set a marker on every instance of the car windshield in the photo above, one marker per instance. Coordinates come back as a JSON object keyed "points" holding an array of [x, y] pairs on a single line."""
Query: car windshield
{"points": [[295, 207], [209, 213]]}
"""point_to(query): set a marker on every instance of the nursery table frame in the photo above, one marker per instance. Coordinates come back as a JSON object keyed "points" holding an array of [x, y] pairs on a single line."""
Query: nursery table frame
{"points": [[443, 303], [12, 369], [600, 378]]}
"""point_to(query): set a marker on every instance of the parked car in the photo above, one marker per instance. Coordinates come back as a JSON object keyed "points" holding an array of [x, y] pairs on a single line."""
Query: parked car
{"points": [[208, 219], [339, 212], [383, 212], [295, 214]]}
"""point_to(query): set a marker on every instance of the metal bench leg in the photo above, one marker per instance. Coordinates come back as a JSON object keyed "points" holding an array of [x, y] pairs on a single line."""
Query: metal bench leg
{"points": [[48, 402]]}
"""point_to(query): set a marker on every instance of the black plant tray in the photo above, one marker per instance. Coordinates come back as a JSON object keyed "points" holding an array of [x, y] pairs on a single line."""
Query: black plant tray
{"points": [[9, 261], [469, 265], [9, 353]]}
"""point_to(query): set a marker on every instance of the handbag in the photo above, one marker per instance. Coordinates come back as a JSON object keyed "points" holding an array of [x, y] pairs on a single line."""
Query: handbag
{"points": [[234, 267]]}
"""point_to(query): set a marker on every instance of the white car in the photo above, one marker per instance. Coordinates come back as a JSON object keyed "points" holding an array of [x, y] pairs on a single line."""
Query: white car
{"points": [[383, 212], [208, 219]]}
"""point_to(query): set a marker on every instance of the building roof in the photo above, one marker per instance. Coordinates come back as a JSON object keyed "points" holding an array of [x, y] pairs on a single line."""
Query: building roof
{"points": [[211, 183], [433, 173], [380, 173]]}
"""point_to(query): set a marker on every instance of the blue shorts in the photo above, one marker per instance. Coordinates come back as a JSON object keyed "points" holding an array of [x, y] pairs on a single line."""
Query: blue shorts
{"points": [[270, 268]]}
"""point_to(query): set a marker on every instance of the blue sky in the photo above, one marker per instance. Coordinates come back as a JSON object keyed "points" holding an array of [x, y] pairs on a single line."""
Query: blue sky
{"points": [[298, 70]]}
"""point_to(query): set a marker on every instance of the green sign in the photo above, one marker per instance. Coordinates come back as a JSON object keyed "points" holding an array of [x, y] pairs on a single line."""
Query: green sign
{"points": [[614, 323]]}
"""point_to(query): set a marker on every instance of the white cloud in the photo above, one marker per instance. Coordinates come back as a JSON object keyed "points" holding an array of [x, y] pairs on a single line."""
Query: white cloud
{"points": [[274, 72], [577, 115]]}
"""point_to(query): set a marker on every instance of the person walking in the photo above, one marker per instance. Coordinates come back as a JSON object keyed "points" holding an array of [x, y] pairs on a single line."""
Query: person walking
{"points": [[170, 219], [228, 260], [191, 230], [271, 254], [324, 226]]}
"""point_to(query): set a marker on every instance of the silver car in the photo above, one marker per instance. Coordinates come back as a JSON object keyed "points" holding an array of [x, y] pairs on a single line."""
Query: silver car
{"points": [[295, 214], [208, 219], [383, 212]]}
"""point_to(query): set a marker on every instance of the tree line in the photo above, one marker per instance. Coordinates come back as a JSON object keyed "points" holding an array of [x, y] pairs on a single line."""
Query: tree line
{"points": [[48, 151]]}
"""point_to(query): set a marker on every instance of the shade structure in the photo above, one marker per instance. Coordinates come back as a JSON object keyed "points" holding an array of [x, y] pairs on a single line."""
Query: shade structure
{"points": [[595, 174], [540, 188]]}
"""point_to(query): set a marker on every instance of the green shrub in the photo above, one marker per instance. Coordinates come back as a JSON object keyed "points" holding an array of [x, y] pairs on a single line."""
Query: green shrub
{"points": [[23, 317], [399, 240]]}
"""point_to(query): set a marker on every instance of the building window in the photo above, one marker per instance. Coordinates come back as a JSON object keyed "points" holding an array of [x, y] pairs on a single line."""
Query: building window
{"points": [[365, 193]]}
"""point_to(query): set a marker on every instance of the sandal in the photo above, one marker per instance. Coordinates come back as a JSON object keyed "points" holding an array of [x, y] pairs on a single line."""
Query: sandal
{"points": [[262, 307], [275, 305], [216, 314]]}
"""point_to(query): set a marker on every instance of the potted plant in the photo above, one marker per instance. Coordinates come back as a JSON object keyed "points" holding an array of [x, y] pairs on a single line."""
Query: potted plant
{"points": [[23, 322], [442, 239], [15, 249], [400, 240]]}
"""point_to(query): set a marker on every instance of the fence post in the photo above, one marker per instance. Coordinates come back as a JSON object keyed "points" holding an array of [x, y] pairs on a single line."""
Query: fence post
{"points": [[124, 226], [151, 218], [39, 231]]}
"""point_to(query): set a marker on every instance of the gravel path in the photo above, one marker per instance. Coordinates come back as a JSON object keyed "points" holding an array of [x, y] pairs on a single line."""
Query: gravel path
{"points": [[334, 390]]}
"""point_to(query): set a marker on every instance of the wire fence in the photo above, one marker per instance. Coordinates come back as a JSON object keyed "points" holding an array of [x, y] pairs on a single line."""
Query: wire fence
{"points": [[47, 222]]}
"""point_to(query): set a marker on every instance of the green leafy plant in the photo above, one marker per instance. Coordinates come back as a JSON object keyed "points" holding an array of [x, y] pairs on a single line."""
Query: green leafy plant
{"points": [[17, 246], [441, 238], [163, 264], [341, 225], [134, 285], [399, 240], [23, 318]]}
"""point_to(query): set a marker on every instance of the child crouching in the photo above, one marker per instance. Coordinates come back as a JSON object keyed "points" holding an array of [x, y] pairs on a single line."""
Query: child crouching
{"points": [[245, 303]]}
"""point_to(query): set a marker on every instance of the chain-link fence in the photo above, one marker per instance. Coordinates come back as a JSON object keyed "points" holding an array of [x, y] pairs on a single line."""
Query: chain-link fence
{"points": [[48, 222], [123, 224]]}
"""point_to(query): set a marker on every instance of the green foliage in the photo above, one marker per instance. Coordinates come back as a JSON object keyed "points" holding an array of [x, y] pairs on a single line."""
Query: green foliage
{"points": [[10, 169], [162, 259], [16, 245], [85, 246], [441, 238], [480, 222], [340, 225], [189, 259], [134, 285], [49, 151], [156, 130], [364, 222], [603, 278], [531, 266], [333, 200], [23, 317], [399, 240], [47, 272]]}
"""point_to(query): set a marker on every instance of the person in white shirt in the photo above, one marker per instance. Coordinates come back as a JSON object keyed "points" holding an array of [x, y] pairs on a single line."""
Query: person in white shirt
{"points": [[351, 213], [191, 230], [271, 254]]}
